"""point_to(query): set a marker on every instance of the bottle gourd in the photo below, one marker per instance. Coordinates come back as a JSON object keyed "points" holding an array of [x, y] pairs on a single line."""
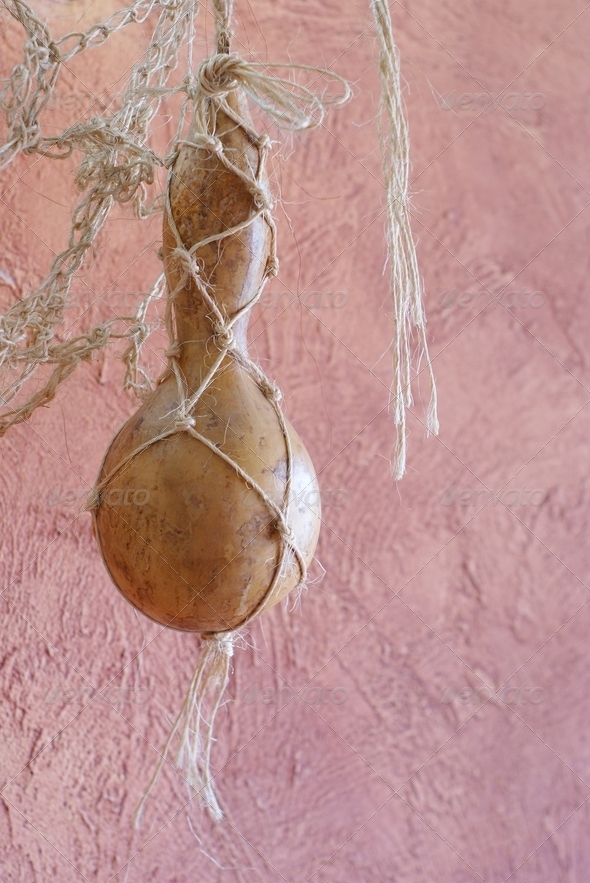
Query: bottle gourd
{"points": [[204, 552]]}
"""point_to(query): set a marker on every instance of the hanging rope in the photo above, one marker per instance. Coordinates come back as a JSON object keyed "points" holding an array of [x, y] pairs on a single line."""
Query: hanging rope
{"points": [[193, 730], [406, 288], [118, 165]]}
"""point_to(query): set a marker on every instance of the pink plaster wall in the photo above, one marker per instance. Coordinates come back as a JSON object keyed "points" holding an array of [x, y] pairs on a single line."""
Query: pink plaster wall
{"points": [[391, 784]]}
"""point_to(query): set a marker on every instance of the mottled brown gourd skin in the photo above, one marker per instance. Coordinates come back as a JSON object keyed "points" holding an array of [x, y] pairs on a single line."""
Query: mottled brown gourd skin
{"points": [[201, 553]]}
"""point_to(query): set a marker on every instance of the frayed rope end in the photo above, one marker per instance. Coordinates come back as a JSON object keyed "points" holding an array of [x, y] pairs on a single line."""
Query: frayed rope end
{"points": [[194, 728]]}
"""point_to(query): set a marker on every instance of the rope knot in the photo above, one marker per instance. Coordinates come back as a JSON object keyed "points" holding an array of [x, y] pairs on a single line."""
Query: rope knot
{"points": [[285, 531], [53, 53], [224, 337], [99, 335], [219, 75], [217, 146], [272, 266], [184, 423], [263, 143], [260, 197], [223, 642], [272, 392], [180, 252], [189, 86], [174, 350], [187, 263], [206, 142]]}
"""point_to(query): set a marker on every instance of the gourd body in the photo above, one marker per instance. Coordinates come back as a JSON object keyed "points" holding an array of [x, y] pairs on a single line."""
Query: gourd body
{"points": [[199, 549]]}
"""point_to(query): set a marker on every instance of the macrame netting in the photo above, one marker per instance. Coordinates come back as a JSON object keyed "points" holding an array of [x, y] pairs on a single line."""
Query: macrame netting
{"points": [[118, 166]]}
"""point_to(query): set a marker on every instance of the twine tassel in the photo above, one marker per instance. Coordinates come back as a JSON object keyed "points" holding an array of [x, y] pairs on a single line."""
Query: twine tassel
{"points": [[194, 728]]}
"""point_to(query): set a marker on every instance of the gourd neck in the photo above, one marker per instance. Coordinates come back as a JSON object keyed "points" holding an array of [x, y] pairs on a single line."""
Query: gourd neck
{"points": [[206, 199]]}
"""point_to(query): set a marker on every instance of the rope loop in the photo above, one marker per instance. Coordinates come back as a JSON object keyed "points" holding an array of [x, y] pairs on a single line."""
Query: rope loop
{"points": [[99, 336]]}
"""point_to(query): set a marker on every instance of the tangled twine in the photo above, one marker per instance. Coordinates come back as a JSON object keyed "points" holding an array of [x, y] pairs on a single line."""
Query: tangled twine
{"points": [[117, 167]]}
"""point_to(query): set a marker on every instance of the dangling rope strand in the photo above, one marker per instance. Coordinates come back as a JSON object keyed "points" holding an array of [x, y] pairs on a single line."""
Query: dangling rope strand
{"points": [[406, 288], [195, 731]]}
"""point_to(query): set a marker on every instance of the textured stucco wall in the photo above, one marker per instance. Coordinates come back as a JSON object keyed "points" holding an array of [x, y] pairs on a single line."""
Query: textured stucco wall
{"points": [[419, 599]]}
